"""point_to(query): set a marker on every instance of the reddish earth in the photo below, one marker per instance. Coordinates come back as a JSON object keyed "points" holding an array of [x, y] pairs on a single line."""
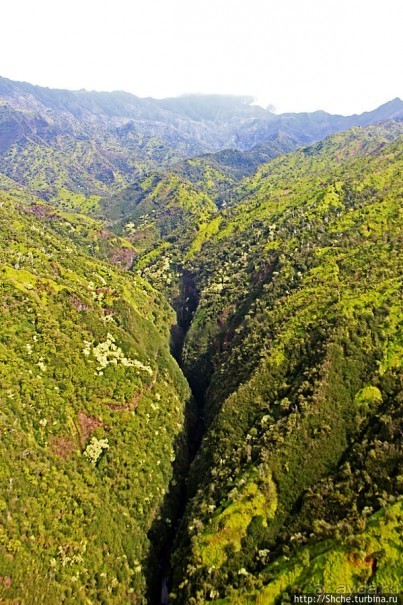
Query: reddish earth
{"points": [[78, 304], [123, 258], [6, 581], [62, 446], [87, 425], [43, 211]]}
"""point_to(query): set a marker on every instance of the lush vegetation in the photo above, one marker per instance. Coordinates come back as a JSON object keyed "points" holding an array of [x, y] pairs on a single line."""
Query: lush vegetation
{"points": [[68, 146], [92, 421], [286, 282], [370, 559], [297, 344]]}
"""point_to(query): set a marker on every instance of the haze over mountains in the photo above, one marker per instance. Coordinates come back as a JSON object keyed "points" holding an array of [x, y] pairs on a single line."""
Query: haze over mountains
{"points": [[96, 141], [201, 350]]}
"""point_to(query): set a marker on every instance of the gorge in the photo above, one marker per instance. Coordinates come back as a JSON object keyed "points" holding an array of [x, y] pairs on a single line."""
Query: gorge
{"points": [[200, 350]]}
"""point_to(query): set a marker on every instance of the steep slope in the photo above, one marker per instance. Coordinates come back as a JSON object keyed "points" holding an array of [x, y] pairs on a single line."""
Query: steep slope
{"points": [[92, 236], [296, 344], [69, 145], [288, 302], [51, 152], [92, 416], [347, 564], [217, 174], [158, 208]]}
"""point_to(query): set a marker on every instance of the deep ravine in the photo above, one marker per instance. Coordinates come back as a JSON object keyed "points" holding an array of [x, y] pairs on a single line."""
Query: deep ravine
{"points": [[176, 499]]}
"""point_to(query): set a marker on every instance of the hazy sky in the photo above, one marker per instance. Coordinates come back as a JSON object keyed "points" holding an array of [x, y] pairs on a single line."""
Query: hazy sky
{"points": [[344, 56]]}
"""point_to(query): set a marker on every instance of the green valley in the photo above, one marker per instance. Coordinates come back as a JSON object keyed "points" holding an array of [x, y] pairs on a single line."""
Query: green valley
{"points": [[200, 350]]}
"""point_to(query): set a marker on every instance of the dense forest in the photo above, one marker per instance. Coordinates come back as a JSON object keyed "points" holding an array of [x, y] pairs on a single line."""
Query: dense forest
{"points": [[200, 350]]}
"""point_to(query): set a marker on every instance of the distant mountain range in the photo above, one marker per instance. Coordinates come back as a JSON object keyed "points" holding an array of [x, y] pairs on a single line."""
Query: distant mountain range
{"points": [[99, 142]]}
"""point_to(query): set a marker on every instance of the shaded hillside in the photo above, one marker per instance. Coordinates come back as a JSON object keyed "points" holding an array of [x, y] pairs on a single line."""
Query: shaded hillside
{"points": [[158, 208], [217, 174], [297, 344]]}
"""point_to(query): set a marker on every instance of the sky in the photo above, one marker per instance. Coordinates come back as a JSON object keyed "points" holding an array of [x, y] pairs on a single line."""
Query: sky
{"points": [[343, 56]]}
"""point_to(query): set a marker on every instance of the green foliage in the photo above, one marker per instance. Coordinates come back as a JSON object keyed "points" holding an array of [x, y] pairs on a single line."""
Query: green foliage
{"points": [[228, 526], [158, 207], [92, 416], [366, 561], [205, 232], [287, 287], [296, 338]]}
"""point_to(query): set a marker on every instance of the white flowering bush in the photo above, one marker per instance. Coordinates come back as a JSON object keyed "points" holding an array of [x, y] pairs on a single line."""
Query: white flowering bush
{"points": [[108, 352], [95, 449]]}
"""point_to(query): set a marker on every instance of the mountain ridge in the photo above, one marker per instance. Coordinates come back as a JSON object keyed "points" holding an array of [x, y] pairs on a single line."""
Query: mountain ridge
{"points": [[51, 96], [79, 143]]}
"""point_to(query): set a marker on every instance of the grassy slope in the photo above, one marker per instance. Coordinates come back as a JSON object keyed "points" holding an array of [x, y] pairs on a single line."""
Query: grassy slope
{"points": [[369, 559], [300, 313], [217, 174], [92, 409]]}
